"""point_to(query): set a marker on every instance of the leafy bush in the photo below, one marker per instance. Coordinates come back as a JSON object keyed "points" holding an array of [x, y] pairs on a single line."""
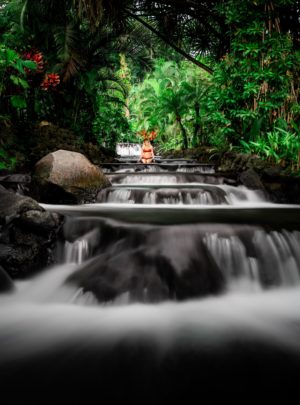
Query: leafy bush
{"points": [[278, 146], [256, 82], [13, 78]]}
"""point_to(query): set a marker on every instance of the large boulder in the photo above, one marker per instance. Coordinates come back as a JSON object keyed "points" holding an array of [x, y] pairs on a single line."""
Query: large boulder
{"points": [[27, 234], [148, 278], [145, 264], [66, 177]]}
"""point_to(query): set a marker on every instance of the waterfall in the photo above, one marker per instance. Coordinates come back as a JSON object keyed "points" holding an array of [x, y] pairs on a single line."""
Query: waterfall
{"points": [[171, 279], [128, 149], [178, 262], [202, 194], [164, 178], [203, 169]]}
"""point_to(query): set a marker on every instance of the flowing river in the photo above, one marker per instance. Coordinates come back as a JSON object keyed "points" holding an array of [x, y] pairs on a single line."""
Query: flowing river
{"points": [[176, 282]]}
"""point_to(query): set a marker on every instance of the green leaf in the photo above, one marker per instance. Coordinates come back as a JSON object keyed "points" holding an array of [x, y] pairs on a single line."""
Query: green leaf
{"points": [[14, 79], [29, 64], [24, 83], [18, 65], [18, 102], [11, 55], [18, 81]]}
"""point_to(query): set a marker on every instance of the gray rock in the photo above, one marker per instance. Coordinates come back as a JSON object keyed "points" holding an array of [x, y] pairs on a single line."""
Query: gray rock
{"points": [[238, 162], [272, 171], [251, 179], [67, 177], [40, 220], [146, 274], [13, 205], [27, 234], [15, 178], [17, 183]]}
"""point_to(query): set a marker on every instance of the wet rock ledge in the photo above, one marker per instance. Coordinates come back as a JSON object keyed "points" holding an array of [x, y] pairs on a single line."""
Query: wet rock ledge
{"points": [[27, 234]]}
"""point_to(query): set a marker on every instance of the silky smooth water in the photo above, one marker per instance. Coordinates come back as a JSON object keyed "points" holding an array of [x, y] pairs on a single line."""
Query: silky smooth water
{"points": [[169, 286], [199, 194]]}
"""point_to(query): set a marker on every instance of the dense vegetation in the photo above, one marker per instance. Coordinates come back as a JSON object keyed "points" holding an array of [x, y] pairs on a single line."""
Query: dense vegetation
{"points": [[224, 74]]}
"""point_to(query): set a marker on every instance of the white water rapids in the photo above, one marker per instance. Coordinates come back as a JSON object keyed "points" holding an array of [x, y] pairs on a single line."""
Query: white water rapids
{"points": [[29, 325], [246, 322]]}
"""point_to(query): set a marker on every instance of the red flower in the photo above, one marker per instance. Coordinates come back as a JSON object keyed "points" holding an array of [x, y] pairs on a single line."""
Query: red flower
{"points": [[51, 80], [36, 57]]}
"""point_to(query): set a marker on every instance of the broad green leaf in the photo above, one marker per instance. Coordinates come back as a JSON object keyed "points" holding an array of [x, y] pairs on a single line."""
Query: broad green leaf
{"points": [[29, 64], [18, 102]]}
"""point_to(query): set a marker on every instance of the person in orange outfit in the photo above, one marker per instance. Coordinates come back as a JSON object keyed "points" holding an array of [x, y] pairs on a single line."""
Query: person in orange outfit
{"points": [[147, 152]]}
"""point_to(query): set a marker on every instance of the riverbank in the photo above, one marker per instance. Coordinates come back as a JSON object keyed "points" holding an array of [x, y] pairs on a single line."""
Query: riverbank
{"points": [[22, 148]]}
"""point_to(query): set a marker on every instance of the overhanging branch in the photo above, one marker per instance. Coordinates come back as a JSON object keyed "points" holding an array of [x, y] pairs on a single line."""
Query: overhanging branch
{"points": [[170, 43]]}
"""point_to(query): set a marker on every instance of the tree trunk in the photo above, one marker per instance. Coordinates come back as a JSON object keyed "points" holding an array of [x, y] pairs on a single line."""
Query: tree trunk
{"points": [[197, 128], [183, 132]]}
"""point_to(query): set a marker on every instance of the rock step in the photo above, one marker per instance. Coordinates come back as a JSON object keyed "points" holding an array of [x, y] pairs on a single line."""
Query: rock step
{"points": [[164, 174], [157, 167], [157, 164], [168, 178], [168, 194], [261, 214], [182, 186], [158, 159]]}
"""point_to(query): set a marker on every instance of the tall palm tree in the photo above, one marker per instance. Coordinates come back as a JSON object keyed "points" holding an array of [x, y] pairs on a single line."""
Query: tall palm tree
{"points": [[165, 99]]}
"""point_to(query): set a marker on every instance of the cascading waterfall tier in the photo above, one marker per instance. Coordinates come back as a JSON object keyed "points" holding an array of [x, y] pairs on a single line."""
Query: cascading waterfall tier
{"points": [[182, 262], [164, 178], [200, 194], [176, 283], [177, 167]]}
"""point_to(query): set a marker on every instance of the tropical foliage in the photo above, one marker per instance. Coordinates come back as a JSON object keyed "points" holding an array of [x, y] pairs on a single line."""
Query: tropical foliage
{"points": [[256, 83], [14, 72], [224, 73], [169, 100]]}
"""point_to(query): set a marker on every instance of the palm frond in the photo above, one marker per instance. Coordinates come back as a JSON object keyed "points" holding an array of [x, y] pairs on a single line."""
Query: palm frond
{"points": [[66, 41], [72, 67]]}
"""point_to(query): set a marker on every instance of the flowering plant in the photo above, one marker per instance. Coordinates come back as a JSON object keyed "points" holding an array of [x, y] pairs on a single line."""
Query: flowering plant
{"points": [[51, 80], [36, 57], [148, 135]]}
